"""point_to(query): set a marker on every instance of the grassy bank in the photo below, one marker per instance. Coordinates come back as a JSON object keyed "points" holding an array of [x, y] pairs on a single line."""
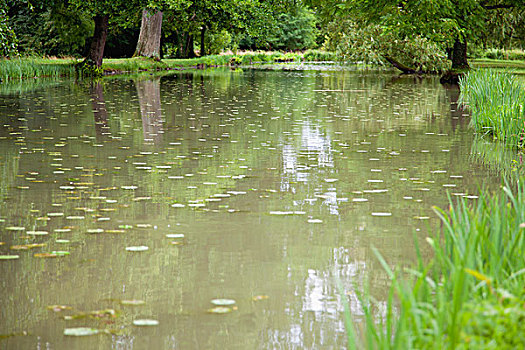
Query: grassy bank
{"points": [[30, 67], [470, 295], [496, 101]]}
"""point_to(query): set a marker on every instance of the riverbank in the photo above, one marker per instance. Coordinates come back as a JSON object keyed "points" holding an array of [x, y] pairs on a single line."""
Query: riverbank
{"points": [[470, 294], [35, 67]]}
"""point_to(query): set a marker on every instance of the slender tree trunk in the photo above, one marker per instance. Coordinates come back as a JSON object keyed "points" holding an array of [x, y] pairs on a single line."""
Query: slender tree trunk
{"points": [[203, 47], [98, 42], [148, 44], [189, 51], [459, 55]]}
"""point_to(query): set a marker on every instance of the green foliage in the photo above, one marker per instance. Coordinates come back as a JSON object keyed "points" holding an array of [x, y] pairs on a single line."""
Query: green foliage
{"points": [[58, 30], [217, 42], [470, 295], [501, 54], [8, 39], [319, 56], [496, 101], [294, 31], [373, 45]]}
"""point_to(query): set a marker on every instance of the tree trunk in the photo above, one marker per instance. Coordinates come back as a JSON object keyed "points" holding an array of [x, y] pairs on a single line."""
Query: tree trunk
{"points": [[401, 66], [459, 55], [203, 47], [148, 92], [148, 44], [99, 112], [98, 42]]}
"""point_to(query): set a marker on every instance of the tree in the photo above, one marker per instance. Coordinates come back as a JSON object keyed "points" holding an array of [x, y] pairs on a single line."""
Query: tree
{"points": [[148, 44], [197, 18], [450, 23], [102, 11]]}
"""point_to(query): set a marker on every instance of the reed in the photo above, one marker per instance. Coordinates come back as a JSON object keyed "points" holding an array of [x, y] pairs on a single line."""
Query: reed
{"points": [[23, 68], [497, 104], [470, 295]]}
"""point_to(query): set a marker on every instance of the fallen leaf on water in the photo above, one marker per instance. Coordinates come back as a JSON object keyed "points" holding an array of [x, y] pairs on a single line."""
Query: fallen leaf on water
{"points": [[27, 246], [133, 302], [45, 255], [81, 331], [140, 248], [58, 308], [220, 310], [223, 302], [145, 322], [9, 257]]}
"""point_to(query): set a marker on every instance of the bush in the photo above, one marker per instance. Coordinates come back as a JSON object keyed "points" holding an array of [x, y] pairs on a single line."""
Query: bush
{"points": [[319, 56]]}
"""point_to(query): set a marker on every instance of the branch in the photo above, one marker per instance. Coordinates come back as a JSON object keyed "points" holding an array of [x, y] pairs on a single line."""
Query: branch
{"points": [[401, 66], [497, 6]]}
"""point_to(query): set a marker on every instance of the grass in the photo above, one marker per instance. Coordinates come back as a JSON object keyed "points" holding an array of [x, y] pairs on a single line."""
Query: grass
{"points": [[496, 101], [31, 67], [470, 295], [517, 66]]}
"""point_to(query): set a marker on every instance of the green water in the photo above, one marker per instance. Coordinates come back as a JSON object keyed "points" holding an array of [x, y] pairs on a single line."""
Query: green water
{"points": [[280, 182]]}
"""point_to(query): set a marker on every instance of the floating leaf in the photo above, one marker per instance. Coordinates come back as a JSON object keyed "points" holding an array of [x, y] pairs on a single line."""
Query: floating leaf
{"points": [[59, 252], [58, 308], [140, 248], [178, 205], [95, 230], [9, 257], [45, 255], [80, 331], [175, 235], [15, 228], [37, 233], [133, 302], [220, 310], [260, 297], [223, 302], [145, 322], [27, 246]]}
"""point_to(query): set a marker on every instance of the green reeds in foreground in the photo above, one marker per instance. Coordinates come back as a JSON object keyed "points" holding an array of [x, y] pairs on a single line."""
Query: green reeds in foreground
{"points": [[22, 68], [497, 104], [471, 295]]}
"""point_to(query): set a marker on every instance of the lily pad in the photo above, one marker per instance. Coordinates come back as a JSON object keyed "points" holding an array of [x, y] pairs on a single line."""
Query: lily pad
{"points": [[145, 322], [81, 331], [223, 302], [140, 248]]}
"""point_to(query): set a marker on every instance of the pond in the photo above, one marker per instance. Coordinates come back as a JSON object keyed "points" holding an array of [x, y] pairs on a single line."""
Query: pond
{"points": [[148, 198]]}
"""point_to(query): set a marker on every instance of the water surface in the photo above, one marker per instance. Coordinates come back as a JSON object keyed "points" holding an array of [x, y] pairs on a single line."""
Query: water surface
{"points": [[280, 181]]}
